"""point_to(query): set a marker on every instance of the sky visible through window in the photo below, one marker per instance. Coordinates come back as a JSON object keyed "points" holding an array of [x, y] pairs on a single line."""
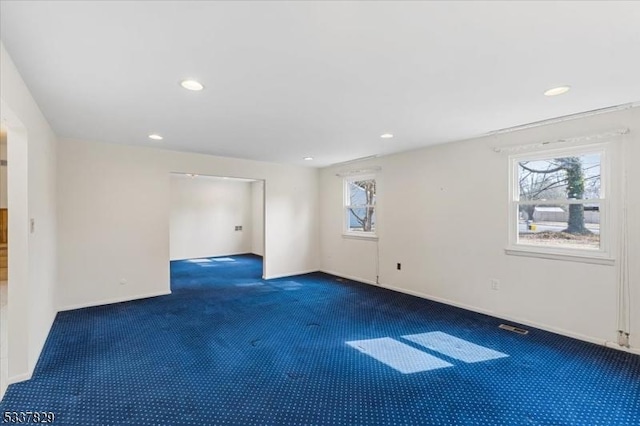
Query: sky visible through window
{"points": [[559, 201]]}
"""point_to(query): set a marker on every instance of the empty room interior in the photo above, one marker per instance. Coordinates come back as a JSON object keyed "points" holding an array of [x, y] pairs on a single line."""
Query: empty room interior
{"points": [[320, 213]]}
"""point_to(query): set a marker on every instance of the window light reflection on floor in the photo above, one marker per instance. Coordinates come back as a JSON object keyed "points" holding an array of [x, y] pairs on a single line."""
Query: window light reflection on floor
{"points": [[408, 359]]}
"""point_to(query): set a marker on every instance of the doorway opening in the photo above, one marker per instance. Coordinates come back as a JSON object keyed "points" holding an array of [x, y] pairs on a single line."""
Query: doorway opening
{"points": [[216, 217], [15, 364], [4, 259]]}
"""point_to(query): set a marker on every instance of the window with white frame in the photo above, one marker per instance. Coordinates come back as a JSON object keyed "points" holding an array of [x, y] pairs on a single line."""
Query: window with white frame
{"points": [[558, 202], [360, 205]]}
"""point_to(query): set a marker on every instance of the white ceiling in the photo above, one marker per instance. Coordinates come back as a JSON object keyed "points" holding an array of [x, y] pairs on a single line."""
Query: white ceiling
{"points": [[285, 80]]}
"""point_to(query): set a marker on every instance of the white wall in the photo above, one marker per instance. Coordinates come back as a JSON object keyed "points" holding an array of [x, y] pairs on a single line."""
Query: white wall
{"points": [[442, 213], [257, 218], [32, 150], [114, 214], [204, 213]]}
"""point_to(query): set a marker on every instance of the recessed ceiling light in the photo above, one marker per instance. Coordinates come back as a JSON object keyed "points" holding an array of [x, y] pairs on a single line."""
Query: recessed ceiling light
{"points": [[191, 85], [155, 137], [308, 158], [555, 91], [386, 136]]}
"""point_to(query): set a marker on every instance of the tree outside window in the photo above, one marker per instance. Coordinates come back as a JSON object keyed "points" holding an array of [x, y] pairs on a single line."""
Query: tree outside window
{"points": [[559, 200], [360, 205]]}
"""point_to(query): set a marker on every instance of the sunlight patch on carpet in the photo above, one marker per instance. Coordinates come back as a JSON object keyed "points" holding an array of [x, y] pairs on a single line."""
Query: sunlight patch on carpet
{"points": [[223, 259], [253, 284], [287, 285], [198, 260], [454, 347], [398, 356]]}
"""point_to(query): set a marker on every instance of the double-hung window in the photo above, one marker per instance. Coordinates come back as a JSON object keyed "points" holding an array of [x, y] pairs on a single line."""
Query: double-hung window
{"points": [[360, 206], [559, 203]]}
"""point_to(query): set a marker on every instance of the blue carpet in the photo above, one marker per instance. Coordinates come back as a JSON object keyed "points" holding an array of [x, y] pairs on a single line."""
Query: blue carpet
{"points": [[229, 348]]}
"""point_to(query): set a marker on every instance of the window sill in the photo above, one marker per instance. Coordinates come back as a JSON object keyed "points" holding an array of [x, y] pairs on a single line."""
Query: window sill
{"points": [[361, 237], [583, 258]]}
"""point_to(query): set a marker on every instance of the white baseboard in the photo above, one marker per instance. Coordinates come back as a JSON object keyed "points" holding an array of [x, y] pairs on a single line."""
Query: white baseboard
{"points": [[493, 314], [289, 274], [213, 255], [19, 378], [349, 277], [615, 345], [535, 324], [34, 361], [32, 364], [114, 300]]}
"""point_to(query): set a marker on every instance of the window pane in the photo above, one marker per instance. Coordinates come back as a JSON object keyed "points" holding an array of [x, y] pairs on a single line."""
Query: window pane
{"points": [[560, 178], [361, 219], [560, 226], [362, 192]]}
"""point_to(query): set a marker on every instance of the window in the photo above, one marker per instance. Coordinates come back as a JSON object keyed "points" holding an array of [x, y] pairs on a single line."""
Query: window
{"points": [[558, 202], [360, 206]]}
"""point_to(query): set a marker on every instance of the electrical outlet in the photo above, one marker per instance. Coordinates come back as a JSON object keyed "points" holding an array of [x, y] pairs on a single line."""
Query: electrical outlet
{"points": [[495, 284], [399, 266]]}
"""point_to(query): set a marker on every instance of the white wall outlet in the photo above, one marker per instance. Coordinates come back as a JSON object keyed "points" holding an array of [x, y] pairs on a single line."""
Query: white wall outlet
{"points": [[495, 284], [123, 281]]}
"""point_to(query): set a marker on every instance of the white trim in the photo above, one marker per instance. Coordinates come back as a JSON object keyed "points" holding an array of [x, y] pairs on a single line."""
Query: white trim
{"points": [[290, 274], [23, 352], [614, 345], [355, 160], [564, 118], [19, 378], [545, 327], [360, 236], [528, 251], [52, 320], [359, 172], [570, 151], [348, 277], [603, 254], [214, 256], [556, 330], [114, 300], [346, 206], [561, 201], [359, 175], [576, 140]]}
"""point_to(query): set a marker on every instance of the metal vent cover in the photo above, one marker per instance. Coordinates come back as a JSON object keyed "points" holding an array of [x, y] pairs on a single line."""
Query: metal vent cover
{"points": [[513, 328]]}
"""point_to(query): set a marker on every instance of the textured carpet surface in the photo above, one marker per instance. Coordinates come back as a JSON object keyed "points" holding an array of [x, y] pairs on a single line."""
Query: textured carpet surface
{"points": [[229, 348]]}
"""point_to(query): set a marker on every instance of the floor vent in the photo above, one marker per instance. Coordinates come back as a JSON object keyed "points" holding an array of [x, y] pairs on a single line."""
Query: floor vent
{"points": [[514, 329]]}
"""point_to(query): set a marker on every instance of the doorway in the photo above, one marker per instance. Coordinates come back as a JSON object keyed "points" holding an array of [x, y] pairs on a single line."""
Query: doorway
{"points": [[216, 216], [4, 259]]}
